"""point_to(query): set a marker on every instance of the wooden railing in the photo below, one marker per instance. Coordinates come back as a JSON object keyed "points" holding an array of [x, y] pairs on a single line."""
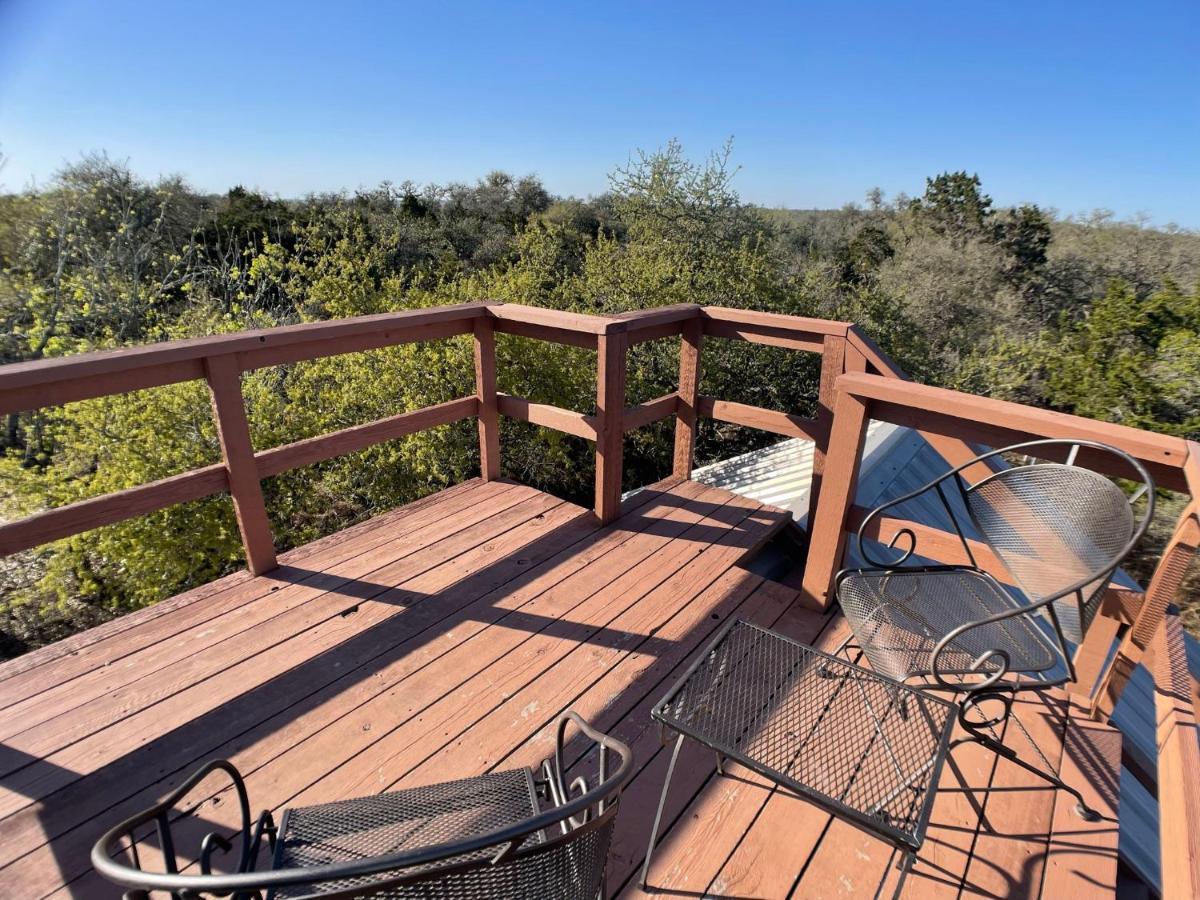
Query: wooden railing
{"points": [[221, 360], [857, 383]]}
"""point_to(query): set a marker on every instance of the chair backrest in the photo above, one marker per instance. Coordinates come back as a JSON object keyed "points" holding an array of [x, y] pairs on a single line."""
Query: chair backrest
{"points": [[1060, 528], [560, 851], [1056, 527]]}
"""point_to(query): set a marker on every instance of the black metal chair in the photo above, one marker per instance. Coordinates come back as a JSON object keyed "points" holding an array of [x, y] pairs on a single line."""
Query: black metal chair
{"points": [[1060, 529], [518, 833]]}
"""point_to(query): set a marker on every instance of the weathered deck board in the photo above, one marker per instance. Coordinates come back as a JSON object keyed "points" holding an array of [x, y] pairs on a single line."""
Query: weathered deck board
{"points": [[442, 640]]}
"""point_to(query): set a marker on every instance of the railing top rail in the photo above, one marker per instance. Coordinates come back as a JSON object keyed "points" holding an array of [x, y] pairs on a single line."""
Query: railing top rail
{"points": [[775, 320], [103, 362], [1164, 451]]}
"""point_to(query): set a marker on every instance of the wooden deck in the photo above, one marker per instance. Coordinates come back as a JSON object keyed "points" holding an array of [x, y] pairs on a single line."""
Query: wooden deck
{"points": [[438, 641]]}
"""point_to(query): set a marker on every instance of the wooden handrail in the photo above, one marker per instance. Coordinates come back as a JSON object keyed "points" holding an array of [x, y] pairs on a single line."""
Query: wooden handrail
{"points": [[995, 423], [221, 359], [50, 382]]}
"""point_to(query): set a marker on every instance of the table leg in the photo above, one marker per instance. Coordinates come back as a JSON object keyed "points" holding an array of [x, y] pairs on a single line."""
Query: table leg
{"points": [[662, 802]]}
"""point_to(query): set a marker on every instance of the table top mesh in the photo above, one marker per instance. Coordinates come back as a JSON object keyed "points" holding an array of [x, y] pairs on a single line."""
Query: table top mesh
{"points": [[863, 746]]}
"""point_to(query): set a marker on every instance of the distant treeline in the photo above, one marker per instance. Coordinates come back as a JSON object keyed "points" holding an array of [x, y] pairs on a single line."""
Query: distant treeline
{"points": [[1091, 316]]}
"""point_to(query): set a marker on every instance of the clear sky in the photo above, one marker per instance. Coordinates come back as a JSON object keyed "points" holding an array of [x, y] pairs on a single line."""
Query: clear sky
{"points": [[1070, 105]]}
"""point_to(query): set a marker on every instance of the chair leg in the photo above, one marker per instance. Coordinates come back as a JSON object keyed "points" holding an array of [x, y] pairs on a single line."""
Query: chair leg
{"points": [[662, 802], [979, 736]]}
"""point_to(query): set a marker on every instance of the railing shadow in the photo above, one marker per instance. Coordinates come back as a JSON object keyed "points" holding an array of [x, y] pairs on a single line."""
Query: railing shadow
{"points": [[71, 809]]}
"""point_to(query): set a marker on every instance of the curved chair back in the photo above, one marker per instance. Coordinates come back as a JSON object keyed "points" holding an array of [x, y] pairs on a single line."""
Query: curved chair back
{"points": [[559, 852], [1060, 528]]}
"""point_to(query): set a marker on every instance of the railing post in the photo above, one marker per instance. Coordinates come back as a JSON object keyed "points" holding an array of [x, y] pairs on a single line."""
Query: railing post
{"points": [[827, 523], [837, 357], [229, 412], [610, 407], [485, 390], [687, 413], [1164, 585]]}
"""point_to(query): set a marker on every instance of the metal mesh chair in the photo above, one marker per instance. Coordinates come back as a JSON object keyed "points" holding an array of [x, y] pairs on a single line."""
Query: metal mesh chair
{"points": [[1059, 528], [518, 833]]}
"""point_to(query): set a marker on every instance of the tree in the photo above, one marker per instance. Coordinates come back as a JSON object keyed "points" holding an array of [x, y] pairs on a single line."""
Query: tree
{"points": [[954, 205]]}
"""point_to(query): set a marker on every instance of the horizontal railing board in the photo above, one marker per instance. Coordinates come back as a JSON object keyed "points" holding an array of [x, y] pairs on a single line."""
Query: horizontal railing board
{"points": [[655, 332], [554, 334], [987, 432], [664, 321], [789, 339], [88, 387], [555, 417], [650, 411], [84, 515], [770, 420], [359, 437], [780, 321], [1145, 445], [106, 364], [354, 343], [555, 318]]}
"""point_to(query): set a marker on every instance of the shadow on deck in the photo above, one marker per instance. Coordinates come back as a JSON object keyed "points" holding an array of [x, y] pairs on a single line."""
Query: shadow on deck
{"points": [[441, 640]]}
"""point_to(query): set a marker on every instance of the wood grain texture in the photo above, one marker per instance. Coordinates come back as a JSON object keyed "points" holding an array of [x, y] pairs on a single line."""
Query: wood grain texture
{"points": [[995, 423], [554, 334], [651, 411], [565, 420], [554, 318], [49, 382], [610, 432], [359, 437], [688, 411], [485, 394], [756, 417], [446, 648], [233, 431], [84, 515], [828, 531], [1164, 586], [767, 320], [787, 338]]}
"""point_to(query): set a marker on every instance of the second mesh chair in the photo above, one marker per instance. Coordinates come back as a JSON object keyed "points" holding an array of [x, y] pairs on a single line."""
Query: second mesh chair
{"points": [[1060, 529]]}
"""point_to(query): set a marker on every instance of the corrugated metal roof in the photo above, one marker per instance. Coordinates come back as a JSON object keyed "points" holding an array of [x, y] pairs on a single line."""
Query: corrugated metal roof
{"points": [[896, 461]]}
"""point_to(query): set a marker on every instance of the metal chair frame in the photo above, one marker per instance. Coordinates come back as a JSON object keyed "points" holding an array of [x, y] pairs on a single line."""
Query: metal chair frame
{"points": [[997, 686], [575, 811]]}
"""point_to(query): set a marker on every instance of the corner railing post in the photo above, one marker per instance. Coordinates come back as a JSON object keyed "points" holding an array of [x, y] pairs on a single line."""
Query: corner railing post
{"points": [[610, 407], [229, 412], [837, 357], [827, 530], [485, 390], [687, 411]]}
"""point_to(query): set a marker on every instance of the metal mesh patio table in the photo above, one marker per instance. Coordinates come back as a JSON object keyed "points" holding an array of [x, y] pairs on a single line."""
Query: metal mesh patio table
{"points": [[864, 747]]}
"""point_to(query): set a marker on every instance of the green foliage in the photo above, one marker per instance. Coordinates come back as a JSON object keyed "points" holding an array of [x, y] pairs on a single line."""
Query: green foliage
{"points": [[1079, 315]]}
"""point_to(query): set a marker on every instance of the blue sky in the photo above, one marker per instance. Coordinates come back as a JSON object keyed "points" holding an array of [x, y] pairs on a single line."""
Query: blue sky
{"points": [[1074, 106]]}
